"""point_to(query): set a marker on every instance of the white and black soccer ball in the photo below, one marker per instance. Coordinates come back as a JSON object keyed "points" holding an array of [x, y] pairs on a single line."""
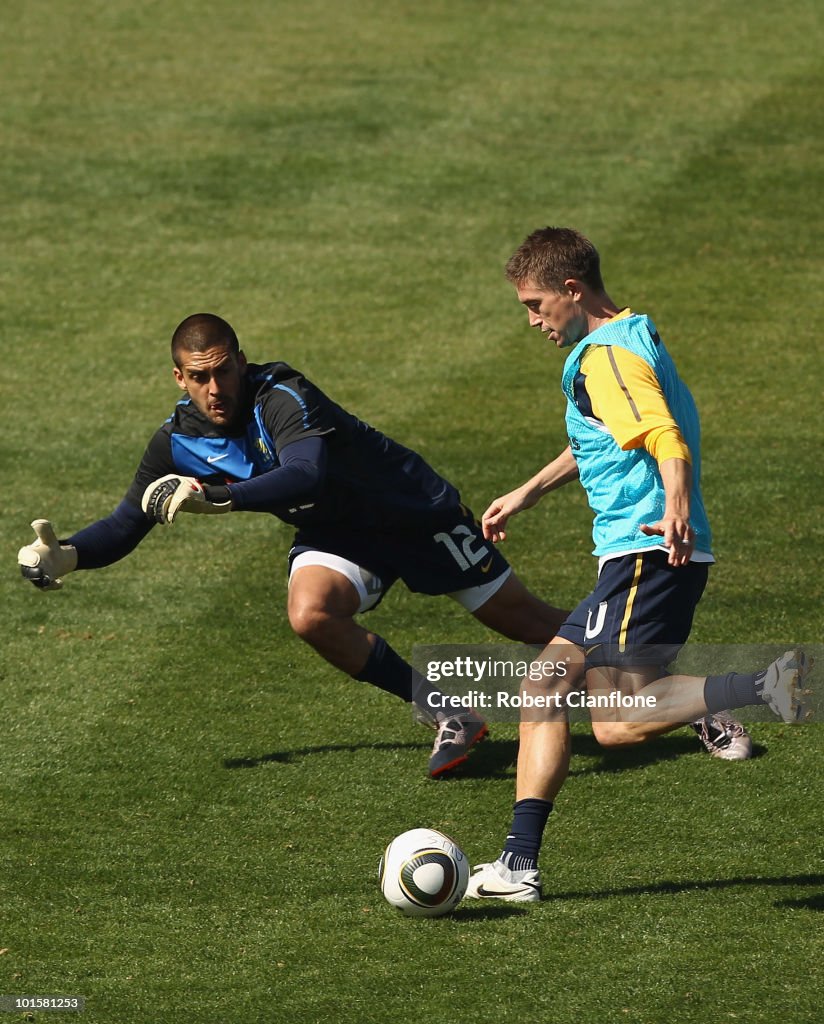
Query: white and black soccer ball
{"points": [[424, 873]]}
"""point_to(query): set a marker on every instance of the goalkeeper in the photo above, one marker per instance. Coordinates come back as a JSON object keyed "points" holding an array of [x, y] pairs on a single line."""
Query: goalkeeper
{"points": [[367, 512]]}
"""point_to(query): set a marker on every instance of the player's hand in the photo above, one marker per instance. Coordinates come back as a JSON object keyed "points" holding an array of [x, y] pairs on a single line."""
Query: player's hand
{"points": [[46, 561], [164, 498], [679, 537], [494, 520]]}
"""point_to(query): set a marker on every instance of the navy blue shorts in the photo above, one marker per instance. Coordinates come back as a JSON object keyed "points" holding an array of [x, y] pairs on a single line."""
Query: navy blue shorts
{"points": [[640, 612], [452, 557]]}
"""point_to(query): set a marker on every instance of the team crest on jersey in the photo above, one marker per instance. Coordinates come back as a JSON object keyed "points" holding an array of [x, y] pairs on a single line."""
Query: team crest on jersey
{"points": [[263, 450]]}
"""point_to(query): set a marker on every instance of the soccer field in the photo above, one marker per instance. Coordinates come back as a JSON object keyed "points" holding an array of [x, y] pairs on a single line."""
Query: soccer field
{"points": [[193, 803]]}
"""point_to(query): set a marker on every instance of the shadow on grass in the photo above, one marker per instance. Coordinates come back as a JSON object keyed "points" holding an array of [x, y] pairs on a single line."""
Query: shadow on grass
{"points": [[290, 756], [490, 759], [664, 748], [495, 758], [813, 902]]}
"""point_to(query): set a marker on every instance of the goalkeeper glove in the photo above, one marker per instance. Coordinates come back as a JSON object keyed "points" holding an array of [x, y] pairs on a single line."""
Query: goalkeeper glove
{"points": [[46, 561], [164, 498]]}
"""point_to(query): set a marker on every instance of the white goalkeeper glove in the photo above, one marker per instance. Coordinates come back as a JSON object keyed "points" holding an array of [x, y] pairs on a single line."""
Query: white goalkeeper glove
{"points": [[164, 498], [46, 561]]}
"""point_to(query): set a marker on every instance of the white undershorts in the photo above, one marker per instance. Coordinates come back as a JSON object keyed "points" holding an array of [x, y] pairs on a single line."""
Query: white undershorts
{"points": [[370, 587]]}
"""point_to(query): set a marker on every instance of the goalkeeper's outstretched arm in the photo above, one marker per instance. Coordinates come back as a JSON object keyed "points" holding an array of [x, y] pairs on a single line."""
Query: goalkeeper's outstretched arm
{"points": [[47, 560], [112, 538], [299, 477]]}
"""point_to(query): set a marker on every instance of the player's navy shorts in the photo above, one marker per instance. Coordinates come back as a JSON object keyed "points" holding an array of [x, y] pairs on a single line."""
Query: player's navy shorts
{"points": [[450, 558], [640, 612]]}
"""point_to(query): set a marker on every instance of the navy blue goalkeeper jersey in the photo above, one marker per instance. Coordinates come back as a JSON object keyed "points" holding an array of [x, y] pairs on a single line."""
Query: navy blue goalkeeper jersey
{"points": [[371, 481]]}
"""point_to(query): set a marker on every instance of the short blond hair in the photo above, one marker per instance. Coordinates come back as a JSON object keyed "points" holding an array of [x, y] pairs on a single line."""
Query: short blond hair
{"points": [[550, 256]]}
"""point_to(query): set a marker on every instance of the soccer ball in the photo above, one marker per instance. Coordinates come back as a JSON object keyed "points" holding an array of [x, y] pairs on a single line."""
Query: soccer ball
{"points": [[423, 873]]}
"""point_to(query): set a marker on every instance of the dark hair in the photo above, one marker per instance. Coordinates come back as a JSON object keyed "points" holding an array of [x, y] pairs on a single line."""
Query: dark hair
{"points": [[201, 331], [550, 256]]}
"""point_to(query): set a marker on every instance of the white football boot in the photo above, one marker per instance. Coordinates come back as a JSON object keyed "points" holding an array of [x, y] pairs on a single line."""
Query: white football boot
{"points": [[496, 882], [783, 686], [724, 737]]}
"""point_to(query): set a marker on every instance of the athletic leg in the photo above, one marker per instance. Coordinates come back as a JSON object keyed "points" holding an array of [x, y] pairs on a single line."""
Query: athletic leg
{"points": [[322, 604], [519, 615], [516, 613], [544, 738], [543, 765], [683, 699]]}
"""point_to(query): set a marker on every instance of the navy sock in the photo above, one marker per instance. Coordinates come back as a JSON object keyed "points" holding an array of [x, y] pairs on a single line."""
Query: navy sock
{"points": [[523, 843], [722, 693], [386, 669]]}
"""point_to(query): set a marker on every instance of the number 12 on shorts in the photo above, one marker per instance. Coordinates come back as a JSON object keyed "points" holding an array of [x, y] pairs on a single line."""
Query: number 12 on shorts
{"points": [[466, 556]]}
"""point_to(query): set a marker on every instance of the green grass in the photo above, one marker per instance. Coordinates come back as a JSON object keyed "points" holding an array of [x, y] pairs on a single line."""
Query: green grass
{"points": [[193, 803]]}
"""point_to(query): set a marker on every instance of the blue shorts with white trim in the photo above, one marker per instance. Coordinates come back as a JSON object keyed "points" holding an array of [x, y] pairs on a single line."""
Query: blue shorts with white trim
{"points": [[454, 556], [640, 612]]}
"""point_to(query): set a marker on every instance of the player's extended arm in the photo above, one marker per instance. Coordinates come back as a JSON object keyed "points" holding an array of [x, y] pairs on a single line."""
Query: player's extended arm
{"points": [[46, 561], [674, 525], [298, 478], [555, 474], [628, 397]]}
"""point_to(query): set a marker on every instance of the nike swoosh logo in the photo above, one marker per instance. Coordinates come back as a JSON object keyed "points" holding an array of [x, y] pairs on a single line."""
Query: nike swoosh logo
{"points": [[488, 566], [216, 458], [526, 887]]}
